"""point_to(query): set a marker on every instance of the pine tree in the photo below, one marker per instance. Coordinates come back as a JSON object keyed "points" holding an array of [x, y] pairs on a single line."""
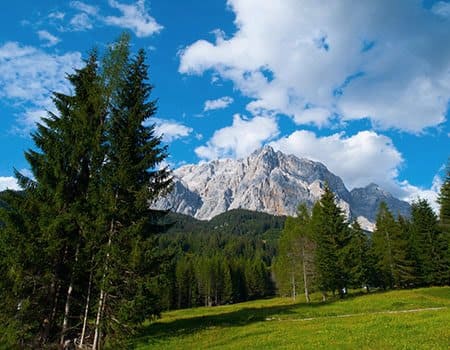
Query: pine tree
{"points": [[390, 250], [430, 244], [331, 236], [444, 202], [131, 180], [62, 168], [294, 265], [444, 218], [185, 282], [287, 266], [357, 257], [26, 273], [89, 235]]}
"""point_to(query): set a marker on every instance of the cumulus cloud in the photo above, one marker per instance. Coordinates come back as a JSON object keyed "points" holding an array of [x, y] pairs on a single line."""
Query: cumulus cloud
{"points": [[359, 160], [310, 60], [84, 20], [56, 15], [171, 130], [81, 22], [134, 17], [239, 139], [412, 193], [219, 103], [8, 183], [28, 76], [50, 39], [441, 8], [83, 7]]}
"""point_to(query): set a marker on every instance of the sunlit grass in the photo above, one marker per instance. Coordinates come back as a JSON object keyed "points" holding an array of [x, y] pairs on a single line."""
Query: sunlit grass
{"points": [[364, 321]]}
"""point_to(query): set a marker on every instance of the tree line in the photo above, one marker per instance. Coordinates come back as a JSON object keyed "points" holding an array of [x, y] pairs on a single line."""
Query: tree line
{"points": [[78, 260], [217, 268], [320, 251]]}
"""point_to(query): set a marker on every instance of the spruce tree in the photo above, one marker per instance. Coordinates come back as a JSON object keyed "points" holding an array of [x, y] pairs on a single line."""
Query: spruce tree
{"points": [[331, 236], [357, 257], [90, 261], [131, 181], [444, 202], [287, 266], [432, 244], [390, 248], [294, 265]]}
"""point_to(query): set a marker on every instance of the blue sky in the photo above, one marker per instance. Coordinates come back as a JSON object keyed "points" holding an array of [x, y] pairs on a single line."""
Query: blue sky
{"points": [[362, 87]]}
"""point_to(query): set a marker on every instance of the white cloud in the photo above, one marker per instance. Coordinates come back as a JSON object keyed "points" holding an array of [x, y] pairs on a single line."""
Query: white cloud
{"points": [[81, 22], [171, 130], [318, 116], [239, 139], [293, 57], [219, 103], [57, 15], [441, 8], [28, 76], [412, 193], [359, 160], [50, 39], [83, 7], [134, 17], [8, 182]]}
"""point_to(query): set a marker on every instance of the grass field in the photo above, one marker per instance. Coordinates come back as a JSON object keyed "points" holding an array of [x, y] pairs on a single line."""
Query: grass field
{"points": [[405, 319]]}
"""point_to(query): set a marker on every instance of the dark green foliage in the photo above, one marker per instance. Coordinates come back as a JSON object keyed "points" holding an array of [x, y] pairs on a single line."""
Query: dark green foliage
{"points": [[429, 244], [79, 255], [390, 247], [444, 201], [331, 235], [216, 262], [130, 180], [357, 257], [294, 266]]}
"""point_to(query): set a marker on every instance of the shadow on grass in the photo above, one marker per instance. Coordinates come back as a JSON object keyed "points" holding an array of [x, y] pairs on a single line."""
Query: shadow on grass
{"points": [[160, 331]]}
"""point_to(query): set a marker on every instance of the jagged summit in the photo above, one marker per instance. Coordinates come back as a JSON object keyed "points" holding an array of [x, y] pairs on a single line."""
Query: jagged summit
{"points": [[267, 181], [366, 200]]}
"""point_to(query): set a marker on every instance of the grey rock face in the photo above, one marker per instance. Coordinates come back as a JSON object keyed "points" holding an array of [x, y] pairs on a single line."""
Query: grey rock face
{"points": [[266, 181], [366, 201]]}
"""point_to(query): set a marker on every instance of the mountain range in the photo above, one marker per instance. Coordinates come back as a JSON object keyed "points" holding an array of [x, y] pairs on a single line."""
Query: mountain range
{"points": [[271, 182]]}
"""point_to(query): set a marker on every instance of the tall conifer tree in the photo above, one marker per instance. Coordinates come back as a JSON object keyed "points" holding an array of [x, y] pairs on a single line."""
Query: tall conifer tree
{"points": [[331, 235], [429, 244], [390, 248]]}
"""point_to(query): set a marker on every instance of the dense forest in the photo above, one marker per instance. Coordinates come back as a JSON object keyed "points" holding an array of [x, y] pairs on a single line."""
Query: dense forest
{"points": [[84, 260], [321, 251], [224, 260]]}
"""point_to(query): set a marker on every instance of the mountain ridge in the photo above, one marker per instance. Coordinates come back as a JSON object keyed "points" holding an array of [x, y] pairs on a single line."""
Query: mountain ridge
{"points": [[268, 181]]}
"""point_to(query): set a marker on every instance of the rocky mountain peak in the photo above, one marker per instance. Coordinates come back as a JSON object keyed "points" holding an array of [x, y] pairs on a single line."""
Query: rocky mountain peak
{"points": [[366, 201], [266, 181]]}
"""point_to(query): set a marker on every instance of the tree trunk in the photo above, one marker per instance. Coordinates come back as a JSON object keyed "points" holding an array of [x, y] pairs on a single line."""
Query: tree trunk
{"points": [[101, 300], [305, 276], [68, 296], [86, 308], [294, 293], [97, 320]]}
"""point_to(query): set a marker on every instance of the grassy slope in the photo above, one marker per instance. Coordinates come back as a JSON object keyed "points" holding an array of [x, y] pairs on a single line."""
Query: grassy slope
{"points": [[281, 324]]}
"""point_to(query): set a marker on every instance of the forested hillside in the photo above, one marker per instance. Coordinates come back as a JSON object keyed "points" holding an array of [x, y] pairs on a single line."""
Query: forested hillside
{"points": [[224, 260]]}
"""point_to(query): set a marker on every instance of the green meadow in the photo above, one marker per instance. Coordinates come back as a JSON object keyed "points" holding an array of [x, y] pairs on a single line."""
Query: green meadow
{"points": [[401, 319]]}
